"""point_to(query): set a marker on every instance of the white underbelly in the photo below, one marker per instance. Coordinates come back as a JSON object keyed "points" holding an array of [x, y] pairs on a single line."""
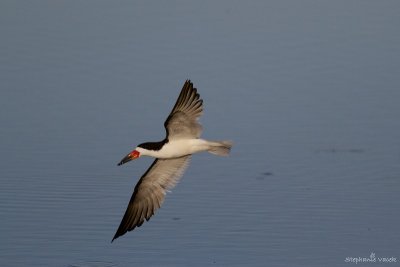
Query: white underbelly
{"points": [[182, 147]]}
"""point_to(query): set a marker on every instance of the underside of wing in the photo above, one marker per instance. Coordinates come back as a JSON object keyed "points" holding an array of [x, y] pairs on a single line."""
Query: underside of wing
{"points": [[149, 192], [182, 121]]}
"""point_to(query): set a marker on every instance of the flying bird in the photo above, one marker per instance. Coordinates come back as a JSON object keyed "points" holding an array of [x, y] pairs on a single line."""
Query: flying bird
{"points": [[172, 157]]}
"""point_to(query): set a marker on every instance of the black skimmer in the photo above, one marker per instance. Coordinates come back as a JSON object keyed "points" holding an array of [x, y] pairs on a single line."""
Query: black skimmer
{"points": [[172, 157]]}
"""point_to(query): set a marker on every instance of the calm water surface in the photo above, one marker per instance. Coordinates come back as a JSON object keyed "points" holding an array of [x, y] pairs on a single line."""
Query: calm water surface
{"points": [[308, 90]]}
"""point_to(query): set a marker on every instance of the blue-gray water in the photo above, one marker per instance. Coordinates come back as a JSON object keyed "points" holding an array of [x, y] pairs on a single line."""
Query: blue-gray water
{"points": [[309, 91]]}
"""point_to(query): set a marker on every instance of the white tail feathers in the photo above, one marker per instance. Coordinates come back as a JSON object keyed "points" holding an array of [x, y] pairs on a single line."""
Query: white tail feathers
{"points": [[220, 148]]}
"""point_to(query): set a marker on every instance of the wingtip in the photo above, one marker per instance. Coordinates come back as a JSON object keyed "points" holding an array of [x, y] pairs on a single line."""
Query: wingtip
{"points": [[189, 82]]}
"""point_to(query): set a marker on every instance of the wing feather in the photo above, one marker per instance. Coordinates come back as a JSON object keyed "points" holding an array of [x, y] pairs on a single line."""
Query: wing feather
{"points": [[183, 119], [149, 192]]}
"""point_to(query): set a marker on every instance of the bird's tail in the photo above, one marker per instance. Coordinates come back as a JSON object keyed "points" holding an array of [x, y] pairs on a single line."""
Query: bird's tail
{"points": [[220, 148]]}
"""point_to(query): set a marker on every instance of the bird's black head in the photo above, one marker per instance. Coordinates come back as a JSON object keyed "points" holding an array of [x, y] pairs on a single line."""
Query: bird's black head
{"points": [[153, 145]]}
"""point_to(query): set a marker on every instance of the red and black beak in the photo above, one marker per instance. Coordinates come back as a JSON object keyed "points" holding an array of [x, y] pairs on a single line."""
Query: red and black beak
{"points": [[131, 156]]}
